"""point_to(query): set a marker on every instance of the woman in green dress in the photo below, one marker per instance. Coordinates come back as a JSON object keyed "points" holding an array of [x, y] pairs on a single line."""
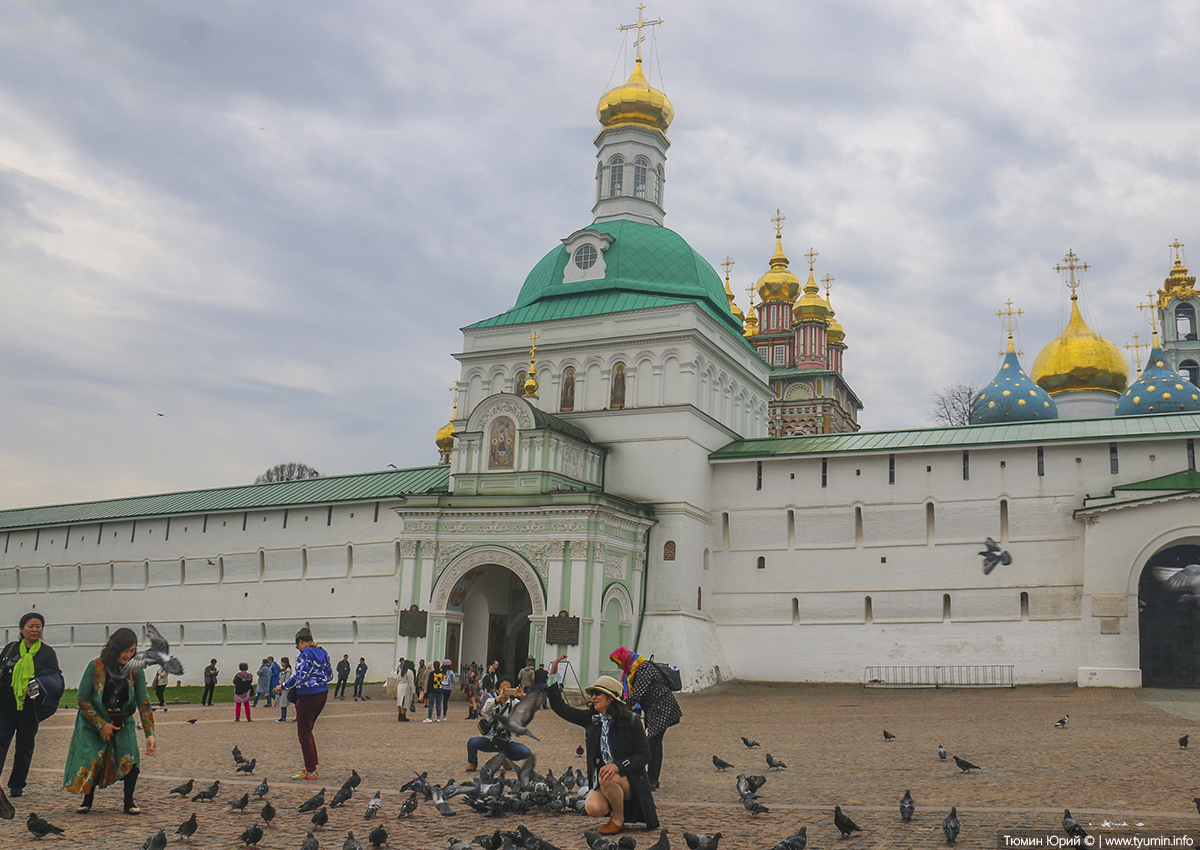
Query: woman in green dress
{"points": [[104, 745]]}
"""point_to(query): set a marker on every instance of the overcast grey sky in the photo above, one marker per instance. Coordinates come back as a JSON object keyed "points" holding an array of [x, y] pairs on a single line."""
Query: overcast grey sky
{"points": [[267, 221]]}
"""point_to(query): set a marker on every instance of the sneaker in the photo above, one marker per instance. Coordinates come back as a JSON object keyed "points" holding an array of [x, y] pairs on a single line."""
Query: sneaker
{"points": [[305, 775], [280, 720], [427, 720]]}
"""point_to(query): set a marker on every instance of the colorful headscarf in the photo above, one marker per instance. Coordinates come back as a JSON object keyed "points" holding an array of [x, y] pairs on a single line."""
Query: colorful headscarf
{"points": [[628, 661]]}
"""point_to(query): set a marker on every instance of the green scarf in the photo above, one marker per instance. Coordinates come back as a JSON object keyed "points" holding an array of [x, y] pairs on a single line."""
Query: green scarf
{"points": [[23, 672]]}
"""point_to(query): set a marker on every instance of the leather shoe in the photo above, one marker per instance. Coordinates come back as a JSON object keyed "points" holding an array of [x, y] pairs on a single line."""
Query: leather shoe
{"points": [[611, 828]]}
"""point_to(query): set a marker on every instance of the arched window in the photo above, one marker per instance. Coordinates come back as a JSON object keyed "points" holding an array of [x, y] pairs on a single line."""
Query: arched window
{"points": [[658, 185], [640, 165], [616, 176], [617, 399], [1185, 321], [1191, 371], [669, 550], [567, 401]]}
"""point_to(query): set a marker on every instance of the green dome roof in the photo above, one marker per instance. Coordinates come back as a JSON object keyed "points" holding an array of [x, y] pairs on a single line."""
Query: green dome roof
{"points": [[645, 266]]}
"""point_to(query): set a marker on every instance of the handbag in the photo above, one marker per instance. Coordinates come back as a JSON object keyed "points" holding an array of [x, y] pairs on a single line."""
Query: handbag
{"points": [[669, 673]]}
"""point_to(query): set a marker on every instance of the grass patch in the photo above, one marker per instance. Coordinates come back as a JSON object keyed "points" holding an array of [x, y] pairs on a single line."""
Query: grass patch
{"points": [[184, 693]]}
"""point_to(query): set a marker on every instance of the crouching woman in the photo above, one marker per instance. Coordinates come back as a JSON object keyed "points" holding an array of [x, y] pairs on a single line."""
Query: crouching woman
{"points": [[617, 755]]}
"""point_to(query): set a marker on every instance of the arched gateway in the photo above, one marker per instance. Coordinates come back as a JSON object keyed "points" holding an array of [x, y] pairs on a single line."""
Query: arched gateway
{"points": [[1168, 627]]}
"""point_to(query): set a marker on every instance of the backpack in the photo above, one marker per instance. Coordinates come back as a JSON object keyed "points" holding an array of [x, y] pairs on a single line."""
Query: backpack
{"points": [[669, 673]]}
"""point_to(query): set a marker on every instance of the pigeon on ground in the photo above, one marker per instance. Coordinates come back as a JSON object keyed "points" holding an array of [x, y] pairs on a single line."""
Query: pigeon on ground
{"points": [[267, 813], [843, 823], [993, 555], [159, 652], [238, 758], [518, 720], [184, 789], [750, 742], [6, 807], [488, 842], [247, 768], [341, 797], [188, 828], [251, 836], [41, 828], [721, 764], [310, 842], [907, 807], [701, 842], [579, 750], [794, 842], [192, 722], [209, 793], [313, 803], [262, 790], [157, 841], [320, 817], [1182, 580], [408, 806], [942, 752], [1196, 800], [950, 825], [773, 762], [240, 803], [1062, 724], [354, 781], [888, 736], [1071, 826], [1183, 742], [378, 836], [373, 806], [351, 843], [661, 844], [965, 765]]}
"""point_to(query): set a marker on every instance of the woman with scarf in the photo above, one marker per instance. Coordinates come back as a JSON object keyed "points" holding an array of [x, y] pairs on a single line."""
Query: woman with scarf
{"points": [[311, 682], [617, 754], [642, 684], [30, 687], [104, 744]]}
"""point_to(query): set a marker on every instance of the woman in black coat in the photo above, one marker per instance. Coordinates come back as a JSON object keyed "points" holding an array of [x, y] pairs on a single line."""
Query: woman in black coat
{"points": [[30, 687], [617, 755]]}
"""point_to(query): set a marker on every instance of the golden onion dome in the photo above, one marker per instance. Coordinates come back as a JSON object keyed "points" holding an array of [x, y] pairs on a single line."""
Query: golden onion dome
{"points": [[1080, 359], [733, 307], [811, 306], [637, 103], [778, 284], [835, 333], [751, 323], [445, 437]]}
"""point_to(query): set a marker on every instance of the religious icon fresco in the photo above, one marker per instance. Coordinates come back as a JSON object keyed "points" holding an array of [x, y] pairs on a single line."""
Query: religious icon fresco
{"points": [[502, 439]]}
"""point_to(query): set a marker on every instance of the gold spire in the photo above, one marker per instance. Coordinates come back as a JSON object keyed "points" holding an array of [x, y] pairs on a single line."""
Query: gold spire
{"points": [[836, 334], [1179, 284], [751, 328], [1071, 266], [727, 264], [445, 434], [1010, 323], [636, 102], [1137, 346], [639, 26], [531, 384], [811, 307], [1151, 308], [778, 284]]}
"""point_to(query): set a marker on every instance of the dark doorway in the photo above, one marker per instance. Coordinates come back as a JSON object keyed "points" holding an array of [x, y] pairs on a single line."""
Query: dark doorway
{"points": [[1169, 631]]}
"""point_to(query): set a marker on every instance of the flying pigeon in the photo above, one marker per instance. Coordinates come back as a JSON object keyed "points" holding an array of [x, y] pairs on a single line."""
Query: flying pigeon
{"points": [[1071, 826], [965, 765], [517, 721], [159, 652], [188, 828], [373, 807], [773, 762], [721, 764], [41, 828], [440, 802], [262, 790], [907, 807], [267, 813], [942, 752], [310, 843], [320, 818], [240, 803], [351, 843], [1062, 724], [248, 767], [993, 555], [157, 841], [1183, 742], [1182, 580], [888, 736], [408, 806], [251, 836], [313, 803], [950, 826], [701, 842], [184, 789], [339, 799], [209, 793], [238, 758], [748, 792], [378, 837], [750, 742], [843, 823]]}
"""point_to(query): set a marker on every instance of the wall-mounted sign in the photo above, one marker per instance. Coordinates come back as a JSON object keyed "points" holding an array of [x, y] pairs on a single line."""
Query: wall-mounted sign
{"points": [[562, 629], [413, 623]]}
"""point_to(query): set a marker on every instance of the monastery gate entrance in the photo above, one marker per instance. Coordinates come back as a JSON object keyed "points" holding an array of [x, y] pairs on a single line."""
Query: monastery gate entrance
{"points": [[1169, 631]]}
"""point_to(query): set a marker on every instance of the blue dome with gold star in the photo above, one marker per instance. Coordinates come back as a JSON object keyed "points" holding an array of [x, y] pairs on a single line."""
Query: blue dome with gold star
{"points": [[1012, 396], [1159, 389]]}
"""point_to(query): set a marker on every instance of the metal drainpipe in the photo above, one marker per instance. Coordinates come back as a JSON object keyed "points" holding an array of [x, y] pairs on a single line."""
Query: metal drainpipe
{"points": [[645, 582]]}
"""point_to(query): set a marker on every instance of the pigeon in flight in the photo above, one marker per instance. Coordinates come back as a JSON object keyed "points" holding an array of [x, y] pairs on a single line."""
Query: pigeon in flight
{"points": [[701, 842], [1182, 580], [240, 803], [159, 652], [41, 828], [320, 817], [750, 742], [773, 762], [267, 813], [209, 793], [888, 736], [1071, 826], [262, 790], [373, 807], [843, 823], [721, 764], [518, 720], [238, 758], [907, 807], [993, 556], [1062, 724], [942, 752], [748, 791], [440, 802], [188, 828], [251, 836], [158, 841], [965, 765], [184, 789], [313, 803], [378, 837], [1183, 742], [951, 826]]}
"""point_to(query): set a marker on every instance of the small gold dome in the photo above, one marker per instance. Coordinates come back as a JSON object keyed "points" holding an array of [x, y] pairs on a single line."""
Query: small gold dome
{"points": [[1080, 359], [531, 387], [811, 306], [445, 437], [778, 284], [751, 324], [636, 102], [836, 334], [733, 307]]}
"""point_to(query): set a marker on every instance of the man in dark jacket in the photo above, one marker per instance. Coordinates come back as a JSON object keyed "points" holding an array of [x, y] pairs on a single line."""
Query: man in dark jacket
{"points": [[30, 687], [343, 676]]}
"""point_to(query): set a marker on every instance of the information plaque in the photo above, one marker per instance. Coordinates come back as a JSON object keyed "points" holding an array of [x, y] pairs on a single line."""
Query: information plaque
{"points": [[413, 623]]}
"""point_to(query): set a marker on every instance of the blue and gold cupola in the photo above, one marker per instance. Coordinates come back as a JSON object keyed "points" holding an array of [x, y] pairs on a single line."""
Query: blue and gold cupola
{"points": [[1012, 396], [1159, 389]]}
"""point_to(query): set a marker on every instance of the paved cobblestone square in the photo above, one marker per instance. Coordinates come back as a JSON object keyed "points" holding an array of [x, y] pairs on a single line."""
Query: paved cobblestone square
{"points": [[1116, 762]]}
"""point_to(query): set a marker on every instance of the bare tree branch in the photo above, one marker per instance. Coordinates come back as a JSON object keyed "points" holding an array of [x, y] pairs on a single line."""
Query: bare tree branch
{"points": [[952, 404], [287, 472]]}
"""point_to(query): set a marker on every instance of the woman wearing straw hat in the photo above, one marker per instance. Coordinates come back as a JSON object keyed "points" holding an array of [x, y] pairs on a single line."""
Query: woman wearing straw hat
{"points": [[617, 754]]}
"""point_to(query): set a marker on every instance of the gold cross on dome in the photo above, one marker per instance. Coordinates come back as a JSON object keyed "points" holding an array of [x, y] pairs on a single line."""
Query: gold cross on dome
{"points": [[828, 279], [1010, 324], [455, 390], [811, 255], [1151, 314], [639, 26], [727, 264], [751, 291], [1072, 264], [1137, 346], [778, 219], [1176, 245]]}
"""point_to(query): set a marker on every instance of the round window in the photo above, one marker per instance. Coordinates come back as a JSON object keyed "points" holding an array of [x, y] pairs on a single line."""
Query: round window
{"points": [[585, 256]]}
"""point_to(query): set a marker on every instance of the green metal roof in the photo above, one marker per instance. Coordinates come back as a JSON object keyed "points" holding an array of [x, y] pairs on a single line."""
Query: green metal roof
{"points": [[541, 419], [645, 266], [337, 488], [1188, 479], [966, 436]]}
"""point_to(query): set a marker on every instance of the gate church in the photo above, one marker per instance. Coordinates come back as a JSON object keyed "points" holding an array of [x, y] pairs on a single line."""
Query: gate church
{"points": [[675, 475]]}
